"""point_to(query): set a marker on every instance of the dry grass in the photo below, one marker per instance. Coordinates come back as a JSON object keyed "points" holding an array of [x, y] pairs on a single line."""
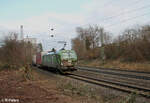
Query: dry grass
{"points": [[76, 89], [129, 99], [117, 65], [91, 94]]}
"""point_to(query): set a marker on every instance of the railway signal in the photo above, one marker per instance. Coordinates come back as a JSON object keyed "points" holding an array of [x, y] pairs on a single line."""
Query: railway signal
{"points": [[52, 29], [52, 34]]}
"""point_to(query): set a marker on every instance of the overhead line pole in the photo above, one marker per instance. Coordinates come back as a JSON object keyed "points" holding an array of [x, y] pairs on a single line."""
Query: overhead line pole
{"points": [[102, 51]]}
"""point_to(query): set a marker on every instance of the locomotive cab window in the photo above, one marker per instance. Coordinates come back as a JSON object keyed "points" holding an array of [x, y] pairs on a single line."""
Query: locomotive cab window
{"points": [[65, 55], [72, 54]]}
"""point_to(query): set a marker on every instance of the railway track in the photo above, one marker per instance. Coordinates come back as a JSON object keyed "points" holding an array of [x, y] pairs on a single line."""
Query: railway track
{"points": [[145, 92], [113, 69], [123, 80], [121, 73], [125, 84]]}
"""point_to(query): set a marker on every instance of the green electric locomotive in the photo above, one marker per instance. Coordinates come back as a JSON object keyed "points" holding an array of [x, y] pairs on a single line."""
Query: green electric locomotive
{"points": [[63, 60]]}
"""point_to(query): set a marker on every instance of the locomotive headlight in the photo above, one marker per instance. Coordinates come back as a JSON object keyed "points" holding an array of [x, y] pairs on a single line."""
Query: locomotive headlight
{"points": [[61, 63]]}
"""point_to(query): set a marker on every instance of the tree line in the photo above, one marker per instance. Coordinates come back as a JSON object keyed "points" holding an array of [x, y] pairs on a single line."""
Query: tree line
{"points": [[132, 45]]}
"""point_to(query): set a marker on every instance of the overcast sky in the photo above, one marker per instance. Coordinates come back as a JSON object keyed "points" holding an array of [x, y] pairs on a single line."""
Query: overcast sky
{"points": [[39, 16]]}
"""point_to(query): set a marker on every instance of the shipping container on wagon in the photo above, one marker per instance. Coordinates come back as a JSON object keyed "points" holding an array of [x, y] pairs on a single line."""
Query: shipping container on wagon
{"points": [[39, 57]]}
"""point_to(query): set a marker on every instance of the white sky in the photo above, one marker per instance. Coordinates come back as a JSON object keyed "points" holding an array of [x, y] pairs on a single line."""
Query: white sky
{"points": [[67, 15]]}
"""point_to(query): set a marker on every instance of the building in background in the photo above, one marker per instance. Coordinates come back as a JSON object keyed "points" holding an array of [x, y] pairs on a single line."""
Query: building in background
{"points": [[30, 40], [33, 47], [21, 32], [33, 41]]}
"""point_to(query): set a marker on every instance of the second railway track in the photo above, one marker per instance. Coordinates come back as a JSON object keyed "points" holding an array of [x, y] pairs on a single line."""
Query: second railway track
{"points": [[120, 80], [114, 85], [130, 74]]}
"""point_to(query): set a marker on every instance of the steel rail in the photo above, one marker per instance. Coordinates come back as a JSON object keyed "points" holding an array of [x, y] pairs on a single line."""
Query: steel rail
{"points": [[145, 92], [113, 78], [113, 69], [114, 73]]}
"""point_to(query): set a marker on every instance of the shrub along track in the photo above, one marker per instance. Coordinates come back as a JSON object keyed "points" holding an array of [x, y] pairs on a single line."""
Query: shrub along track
{"points": [[126, 81]]}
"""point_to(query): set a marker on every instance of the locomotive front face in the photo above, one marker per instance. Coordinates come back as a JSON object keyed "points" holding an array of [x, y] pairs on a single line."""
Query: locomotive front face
{"points": [[68, 59]]}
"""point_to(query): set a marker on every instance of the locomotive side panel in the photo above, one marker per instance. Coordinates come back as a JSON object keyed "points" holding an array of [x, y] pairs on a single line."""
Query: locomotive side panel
{"points": [[50, 60]]}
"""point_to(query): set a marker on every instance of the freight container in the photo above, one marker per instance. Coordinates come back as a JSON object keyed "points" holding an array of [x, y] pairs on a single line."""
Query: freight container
{"points": [[39, 57]]}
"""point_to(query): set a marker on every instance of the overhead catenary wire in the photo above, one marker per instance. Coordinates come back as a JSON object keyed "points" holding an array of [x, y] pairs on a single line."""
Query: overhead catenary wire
{"points": [[121, 13], [124, 12], [132, 18], [129, 11], [111, 1], [136, 2]]}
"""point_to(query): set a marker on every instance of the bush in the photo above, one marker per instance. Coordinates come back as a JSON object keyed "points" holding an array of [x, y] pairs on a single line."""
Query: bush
{"points": [[15, 53]]}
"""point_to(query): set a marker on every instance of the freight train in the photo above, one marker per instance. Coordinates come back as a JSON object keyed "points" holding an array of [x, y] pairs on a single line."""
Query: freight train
{"points": [[62, 61]]}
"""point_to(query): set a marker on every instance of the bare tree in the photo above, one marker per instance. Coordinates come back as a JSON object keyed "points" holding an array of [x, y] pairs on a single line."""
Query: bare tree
{"points": [[16, 54], [132, 45], [89, 39]]}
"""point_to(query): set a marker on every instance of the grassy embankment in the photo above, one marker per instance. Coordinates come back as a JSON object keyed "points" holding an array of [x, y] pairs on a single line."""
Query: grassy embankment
{"points": [[145, 66]]}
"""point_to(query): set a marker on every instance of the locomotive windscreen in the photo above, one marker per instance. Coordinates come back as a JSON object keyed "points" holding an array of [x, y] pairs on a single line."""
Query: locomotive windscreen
{"points": [[69, 55]]}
